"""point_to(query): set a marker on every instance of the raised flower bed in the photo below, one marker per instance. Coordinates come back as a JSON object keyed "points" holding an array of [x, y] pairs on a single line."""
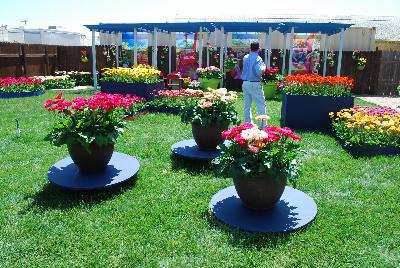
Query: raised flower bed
{"points": [[308, 99], [20, 87], [143, 81], [270, 78], [368, 131], [56, 82], [209, 77], [171, 101]]}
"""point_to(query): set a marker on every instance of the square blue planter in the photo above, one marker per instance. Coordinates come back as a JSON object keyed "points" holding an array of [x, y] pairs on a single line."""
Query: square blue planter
{"points": [[311, 113], [143, 90], [369, 150]]}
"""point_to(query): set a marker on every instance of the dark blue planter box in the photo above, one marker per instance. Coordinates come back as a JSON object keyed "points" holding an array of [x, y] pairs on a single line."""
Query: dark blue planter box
{"points": [[164, 109], [146, 91], [311, 112], [370, 150], [5, 95]]}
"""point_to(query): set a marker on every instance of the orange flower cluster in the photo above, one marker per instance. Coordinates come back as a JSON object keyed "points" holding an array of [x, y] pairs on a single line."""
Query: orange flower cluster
{"points": [[314, 79]]}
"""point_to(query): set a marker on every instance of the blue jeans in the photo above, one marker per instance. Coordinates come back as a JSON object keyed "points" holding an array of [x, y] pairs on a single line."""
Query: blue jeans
{"points": [[253, 91]]}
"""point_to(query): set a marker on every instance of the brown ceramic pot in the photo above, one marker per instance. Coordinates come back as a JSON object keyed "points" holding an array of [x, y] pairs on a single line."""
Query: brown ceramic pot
{"points": [[208, 138], [260, 192], [95, 161]]}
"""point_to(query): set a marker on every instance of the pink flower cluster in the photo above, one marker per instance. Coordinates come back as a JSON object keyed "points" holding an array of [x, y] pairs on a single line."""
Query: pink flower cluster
{"points": [[177, 93], [375, 110], [103, 101], [10, 81], [250, 136]]}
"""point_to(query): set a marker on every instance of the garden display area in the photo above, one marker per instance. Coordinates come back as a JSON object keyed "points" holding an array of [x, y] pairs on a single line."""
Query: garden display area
{"points": [[161, 218]]}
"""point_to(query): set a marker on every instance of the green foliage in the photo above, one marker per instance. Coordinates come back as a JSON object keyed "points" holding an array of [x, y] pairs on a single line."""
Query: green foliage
{"points": [[59, 83], [22, 88], [277, 159]]}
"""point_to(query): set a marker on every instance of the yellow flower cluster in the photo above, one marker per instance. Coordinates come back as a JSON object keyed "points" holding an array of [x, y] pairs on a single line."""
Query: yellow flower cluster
{"points": [[140, 74], [217, 95], [378, 122]]}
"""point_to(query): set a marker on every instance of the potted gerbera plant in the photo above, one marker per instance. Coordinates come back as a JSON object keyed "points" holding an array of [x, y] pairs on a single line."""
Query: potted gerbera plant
{"points": [[260, 161], [89, 127], [209, 77], [210, 115], [269, 79]]}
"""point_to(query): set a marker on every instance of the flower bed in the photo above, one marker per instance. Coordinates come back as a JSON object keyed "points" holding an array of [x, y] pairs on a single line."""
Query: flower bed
{"points": [[171, 101], [368, 130], [308, 99], [143, 81], [11, 87], [56, 82], [81, 78], [209, 77], [270, 78]]}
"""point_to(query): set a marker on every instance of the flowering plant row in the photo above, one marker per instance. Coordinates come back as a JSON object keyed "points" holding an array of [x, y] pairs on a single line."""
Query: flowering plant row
{"points": [[83, 121], [141, 74], [20, 84], [56, 82], [209, 72], [215, 106], [174, 98], [81, 78], [316, 85], [367, 126], [252, 150], [271, 75]]}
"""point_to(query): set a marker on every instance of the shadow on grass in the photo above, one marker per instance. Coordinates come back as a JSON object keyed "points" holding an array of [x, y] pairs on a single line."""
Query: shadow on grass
{"points": [[245, 239], [53, 197], [191, 166]]}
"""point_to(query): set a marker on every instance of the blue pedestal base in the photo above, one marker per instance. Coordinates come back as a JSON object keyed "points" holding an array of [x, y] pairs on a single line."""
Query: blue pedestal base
{"points": [[294, 210], [120, 169], [189, 149]]}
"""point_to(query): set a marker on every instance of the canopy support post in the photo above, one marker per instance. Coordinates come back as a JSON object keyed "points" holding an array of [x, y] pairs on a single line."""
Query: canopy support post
{"points": [[266, 49], [325, 54], [169, 53], [269, 47], [155, 48], [135, 48], [201, 47], [221, 54], [116, 49], [291, 51], [339, 66], [208, 53], [284, 53], [94, 71]]}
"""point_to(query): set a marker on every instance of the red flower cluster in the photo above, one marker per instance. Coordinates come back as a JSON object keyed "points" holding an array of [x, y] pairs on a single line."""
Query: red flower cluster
{"points": [[248, 135], [11, 81], [103, 101], [315, 80]]}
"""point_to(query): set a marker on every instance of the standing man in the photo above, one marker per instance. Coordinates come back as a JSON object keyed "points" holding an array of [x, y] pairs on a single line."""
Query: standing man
{"points": [[253, 68]]}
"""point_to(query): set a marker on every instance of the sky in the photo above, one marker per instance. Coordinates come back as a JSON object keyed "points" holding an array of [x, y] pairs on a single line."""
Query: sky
{"points": [[73, 14]]}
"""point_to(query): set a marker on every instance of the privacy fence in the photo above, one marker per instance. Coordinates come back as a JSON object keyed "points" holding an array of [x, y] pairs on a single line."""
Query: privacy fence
{"points": [[381, 75]]}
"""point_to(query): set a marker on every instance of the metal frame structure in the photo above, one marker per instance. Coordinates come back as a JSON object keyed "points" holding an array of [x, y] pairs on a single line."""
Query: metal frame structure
{"points": [[225, 27]]}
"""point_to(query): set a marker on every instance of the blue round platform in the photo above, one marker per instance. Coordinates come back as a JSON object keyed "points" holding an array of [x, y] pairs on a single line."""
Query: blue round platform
{"points": [[189, 149], [294, 210], [120, 169]]}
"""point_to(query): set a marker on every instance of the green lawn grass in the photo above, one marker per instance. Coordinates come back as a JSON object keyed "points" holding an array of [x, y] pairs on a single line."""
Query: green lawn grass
{"points": [[162, 219]]}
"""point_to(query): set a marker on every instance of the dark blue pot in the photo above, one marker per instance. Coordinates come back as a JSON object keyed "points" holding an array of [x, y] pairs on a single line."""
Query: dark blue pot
{"points": [[143, 90], [6, 95], [164, 109], [370, 150], [311, 112]]}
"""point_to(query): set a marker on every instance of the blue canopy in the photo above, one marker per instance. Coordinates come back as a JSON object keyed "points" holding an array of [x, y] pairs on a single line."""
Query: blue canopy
{"points": [[328, 28]]}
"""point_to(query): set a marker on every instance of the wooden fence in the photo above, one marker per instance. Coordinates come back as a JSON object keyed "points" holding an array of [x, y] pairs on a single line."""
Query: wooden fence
{"points": [[381, 75]]}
